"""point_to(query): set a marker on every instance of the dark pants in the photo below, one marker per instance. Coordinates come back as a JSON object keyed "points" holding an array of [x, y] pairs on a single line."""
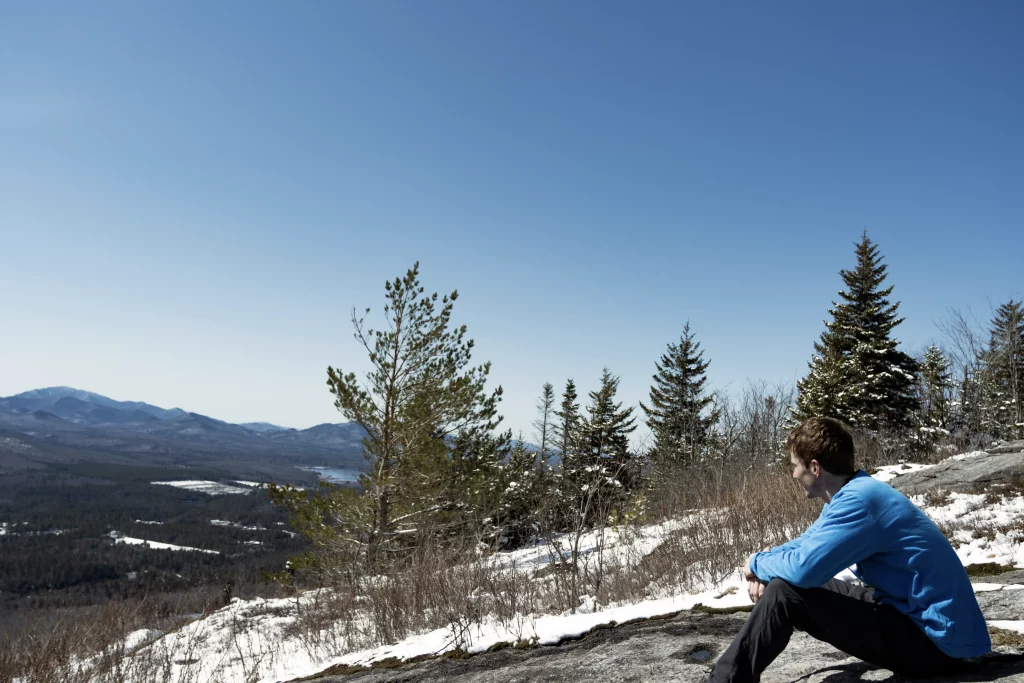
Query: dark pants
{"points": [[839, 613]]}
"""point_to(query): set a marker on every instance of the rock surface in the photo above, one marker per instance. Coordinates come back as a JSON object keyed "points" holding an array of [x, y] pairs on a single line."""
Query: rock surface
{"points": [[1000, 466], [680, 649]]}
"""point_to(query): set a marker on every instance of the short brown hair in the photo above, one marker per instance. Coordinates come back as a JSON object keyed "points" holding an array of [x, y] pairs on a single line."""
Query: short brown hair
{"points": [[826, 440]]}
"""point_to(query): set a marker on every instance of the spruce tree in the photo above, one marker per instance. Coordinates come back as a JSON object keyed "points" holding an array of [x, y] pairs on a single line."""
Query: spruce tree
{"points": [[567, 440], [858, 374], [823, 391], [544, 424], [607, 428], [680, 415], [936, 386], [1002, 376]]}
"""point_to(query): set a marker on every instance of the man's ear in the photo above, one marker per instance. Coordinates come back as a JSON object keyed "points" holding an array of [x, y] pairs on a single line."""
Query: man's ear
{"points": [[815, 468]]}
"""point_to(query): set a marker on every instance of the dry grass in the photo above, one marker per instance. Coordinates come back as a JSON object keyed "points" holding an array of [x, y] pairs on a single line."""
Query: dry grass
{"points": [[1004, 638], [81, 646]]}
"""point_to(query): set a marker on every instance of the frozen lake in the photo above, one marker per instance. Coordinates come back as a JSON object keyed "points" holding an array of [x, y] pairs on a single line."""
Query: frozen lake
{"points": [[336, 475]]}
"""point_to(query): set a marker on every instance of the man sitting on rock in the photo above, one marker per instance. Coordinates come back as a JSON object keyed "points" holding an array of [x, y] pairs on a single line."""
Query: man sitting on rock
{"points": [[919, 618]]}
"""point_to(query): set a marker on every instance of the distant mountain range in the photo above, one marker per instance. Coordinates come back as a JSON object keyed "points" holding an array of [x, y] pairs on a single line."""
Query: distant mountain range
{"points": [[85, 421]]}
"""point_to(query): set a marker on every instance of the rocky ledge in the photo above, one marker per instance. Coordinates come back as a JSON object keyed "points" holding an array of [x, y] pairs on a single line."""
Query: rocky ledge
{"points": [[1000, 466], [682, 648]]}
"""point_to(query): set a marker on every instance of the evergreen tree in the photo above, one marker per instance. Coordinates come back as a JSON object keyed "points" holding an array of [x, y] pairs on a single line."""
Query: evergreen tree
{"points": [[823, 391], [427, 418], [680, 415], [1002, 376], [606, 430], [936, 386], [567, 440], [567, 426], [544, 424], [858, 374], [520, 485]]}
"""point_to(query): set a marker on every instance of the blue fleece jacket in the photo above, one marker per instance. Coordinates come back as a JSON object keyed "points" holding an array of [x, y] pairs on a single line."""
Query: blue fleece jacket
{"points": [[898, 551]]}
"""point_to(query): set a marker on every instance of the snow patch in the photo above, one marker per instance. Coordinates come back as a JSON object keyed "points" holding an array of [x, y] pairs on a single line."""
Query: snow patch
{"points": [[211, 488], [155, 545]]}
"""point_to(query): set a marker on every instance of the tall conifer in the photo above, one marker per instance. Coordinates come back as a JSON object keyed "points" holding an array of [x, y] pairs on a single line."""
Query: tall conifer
{"points": [[936, 386], [858, 374], [608, 425], [680, 415], [1003, 372]]}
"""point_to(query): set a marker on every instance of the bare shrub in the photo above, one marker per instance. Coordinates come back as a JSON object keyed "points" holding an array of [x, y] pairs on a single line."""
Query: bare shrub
{"points": [[724, 515]]}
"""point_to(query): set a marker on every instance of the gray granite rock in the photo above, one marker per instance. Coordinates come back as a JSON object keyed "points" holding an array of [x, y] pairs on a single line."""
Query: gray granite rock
{"points": [[1002, 604], [678, 649], [969, 475]]}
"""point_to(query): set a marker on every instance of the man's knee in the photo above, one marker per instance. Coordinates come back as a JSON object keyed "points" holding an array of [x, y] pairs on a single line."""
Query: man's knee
{"points": [[778, 590]]}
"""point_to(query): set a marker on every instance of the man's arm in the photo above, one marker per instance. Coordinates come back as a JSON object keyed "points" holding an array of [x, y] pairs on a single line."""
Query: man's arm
{"points": [[798, 541], [844, 534]]}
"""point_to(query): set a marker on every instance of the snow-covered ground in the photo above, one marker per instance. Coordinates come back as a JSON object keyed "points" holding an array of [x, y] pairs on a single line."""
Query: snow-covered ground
{"points": [[236, 525], [155, 545], [261, 639], [212, 488]]}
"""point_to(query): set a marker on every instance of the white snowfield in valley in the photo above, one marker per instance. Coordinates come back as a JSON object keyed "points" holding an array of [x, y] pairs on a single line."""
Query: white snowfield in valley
{"points": [[212, 488], [236, 525], [254, 640], [156, 545]]}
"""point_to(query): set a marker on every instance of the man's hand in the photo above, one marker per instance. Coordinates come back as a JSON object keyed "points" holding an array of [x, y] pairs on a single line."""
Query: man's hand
{"points": [[755, 586]]}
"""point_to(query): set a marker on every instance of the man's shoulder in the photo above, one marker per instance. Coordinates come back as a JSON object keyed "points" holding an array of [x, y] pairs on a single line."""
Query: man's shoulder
{"points": [[882, 500], [868, 491], [863, 484]]}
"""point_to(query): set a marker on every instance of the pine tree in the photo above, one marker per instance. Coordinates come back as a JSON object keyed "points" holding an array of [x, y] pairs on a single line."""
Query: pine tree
{"points": [[1002, 376], [680, 415], [427, 419], [858, 374]]}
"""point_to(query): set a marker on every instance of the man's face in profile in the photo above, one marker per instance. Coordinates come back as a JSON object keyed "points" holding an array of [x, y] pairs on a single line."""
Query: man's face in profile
{"points": [[807, 476]]}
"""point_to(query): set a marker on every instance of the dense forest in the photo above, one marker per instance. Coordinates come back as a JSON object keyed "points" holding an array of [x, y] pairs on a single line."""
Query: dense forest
{"points": [[56, 548]]}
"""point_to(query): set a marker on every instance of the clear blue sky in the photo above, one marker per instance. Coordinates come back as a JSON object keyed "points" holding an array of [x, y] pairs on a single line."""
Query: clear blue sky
{"points": [[194, 195]]}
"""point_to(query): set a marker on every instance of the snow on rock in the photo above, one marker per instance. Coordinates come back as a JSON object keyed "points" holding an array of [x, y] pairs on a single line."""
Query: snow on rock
{"points": [[554, 628], [982, 587], [887, 473], [968, 456], [1016, 626]]}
